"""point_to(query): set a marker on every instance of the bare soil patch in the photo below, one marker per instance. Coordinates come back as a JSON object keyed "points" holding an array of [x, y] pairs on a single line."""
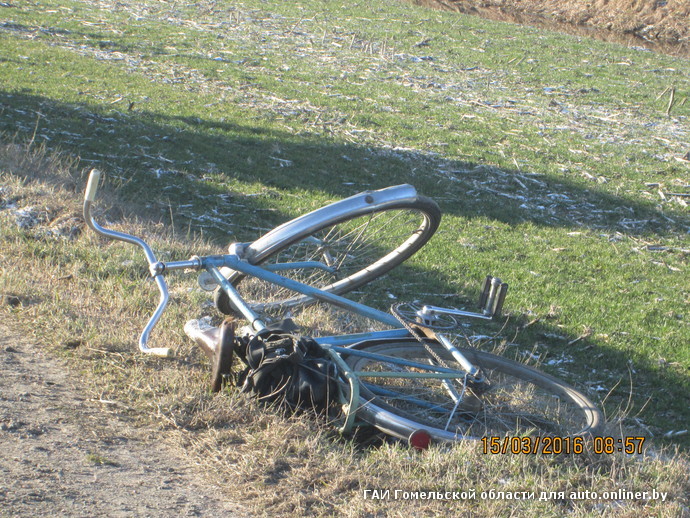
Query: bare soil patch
{"points": [[663, 25], [65, 454]]}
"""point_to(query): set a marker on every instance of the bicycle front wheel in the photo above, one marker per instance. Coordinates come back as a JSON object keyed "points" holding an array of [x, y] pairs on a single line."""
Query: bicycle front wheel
{"points": [[517, 400], [336, 254]]}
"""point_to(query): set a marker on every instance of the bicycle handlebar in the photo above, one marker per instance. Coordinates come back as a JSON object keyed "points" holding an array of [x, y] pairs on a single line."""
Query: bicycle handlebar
{"points": [[92, 185], [89, 198]]}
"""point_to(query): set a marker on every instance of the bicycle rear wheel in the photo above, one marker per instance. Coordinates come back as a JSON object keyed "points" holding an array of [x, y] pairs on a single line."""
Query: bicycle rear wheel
{"points": [[518, 400], [349, 250]]}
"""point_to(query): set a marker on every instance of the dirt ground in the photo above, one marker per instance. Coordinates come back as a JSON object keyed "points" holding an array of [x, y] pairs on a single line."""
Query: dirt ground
{"points": [[664, 22], [64, 454]]}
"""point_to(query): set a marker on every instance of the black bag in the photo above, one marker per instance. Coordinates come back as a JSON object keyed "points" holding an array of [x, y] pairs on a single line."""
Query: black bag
{"points": [[285, 368]]}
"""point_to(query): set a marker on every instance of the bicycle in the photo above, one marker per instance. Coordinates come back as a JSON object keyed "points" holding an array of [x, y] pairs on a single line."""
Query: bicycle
{"points": [[409, 380]]}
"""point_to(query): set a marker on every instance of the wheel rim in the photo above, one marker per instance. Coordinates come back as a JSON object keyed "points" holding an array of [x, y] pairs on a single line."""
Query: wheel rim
{"points": [[520, 401], [356, 250]]}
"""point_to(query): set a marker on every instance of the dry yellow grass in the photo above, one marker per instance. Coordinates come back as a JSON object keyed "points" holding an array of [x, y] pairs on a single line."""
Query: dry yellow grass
{"points": [[650, 19]]}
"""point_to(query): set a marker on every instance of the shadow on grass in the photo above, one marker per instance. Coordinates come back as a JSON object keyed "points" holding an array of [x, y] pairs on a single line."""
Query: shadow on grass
{"points": [[198, 168], [141, 146]]}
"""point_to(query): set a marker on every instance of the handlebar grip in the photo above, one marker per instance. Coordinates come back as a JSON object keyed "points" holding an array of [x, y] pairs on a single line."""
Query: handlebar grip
{"points": [[92, 185], [164, 352]]}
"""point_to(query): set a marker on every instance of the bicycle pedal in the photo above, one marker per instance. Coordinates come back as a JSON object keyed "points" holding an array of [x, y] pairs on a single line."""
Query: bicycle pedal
{"points": [[204, 334], [492, 296]]}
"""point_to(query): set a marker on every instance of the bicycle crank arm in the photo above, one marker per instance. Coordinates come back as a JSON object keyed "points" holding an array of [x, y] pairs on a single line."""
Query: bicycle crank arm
{"points": [[490, 303]]}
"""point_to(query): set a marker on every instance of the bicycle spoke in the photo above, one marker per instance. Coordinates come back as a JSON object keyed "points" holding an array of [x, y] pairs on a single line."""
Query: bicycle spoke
{"points": [[518, 400], [350, 247]]}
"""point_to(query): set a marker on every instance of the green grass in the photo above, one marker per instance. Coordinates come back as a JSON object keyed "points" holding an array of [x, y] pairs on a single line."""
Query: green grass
{"points": [[99, 460], [553, 158]]}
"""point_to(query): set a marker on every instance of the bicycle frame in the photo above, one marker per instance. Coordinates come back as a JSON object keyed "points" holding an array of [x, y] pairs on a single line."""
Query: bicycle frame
{"points": [[335, 345]]}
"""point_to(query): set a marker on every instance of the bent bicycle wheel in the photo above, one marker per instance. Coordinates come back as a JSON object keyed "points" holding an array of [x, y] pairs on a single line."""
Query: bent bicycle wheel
{"points": [[338, 250], [518, 399]]}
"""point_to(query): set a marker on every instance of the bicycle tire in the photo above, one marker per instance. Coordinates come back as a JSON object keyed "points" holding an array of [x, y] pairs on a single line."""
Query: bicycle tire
{"points": [[342, 238], [520, 401]]}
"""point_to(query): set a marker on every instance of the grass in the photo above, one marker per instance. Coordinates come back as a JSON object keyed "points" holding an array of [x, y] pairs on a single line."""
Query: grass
{"points": [[99, 460], [254, 453], [556, 161]]}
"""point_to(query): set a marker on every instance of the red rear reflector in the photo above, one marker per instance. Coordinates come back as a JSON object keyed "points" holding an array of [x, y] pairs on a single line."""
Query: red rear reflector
{"points": [[420, 439]]}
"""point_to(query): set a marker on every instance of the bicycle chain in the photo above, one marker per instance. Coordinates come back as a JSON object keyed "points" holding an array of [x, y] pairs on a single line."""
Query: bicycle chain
{"points": [[415, 333], [467, 381]]}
